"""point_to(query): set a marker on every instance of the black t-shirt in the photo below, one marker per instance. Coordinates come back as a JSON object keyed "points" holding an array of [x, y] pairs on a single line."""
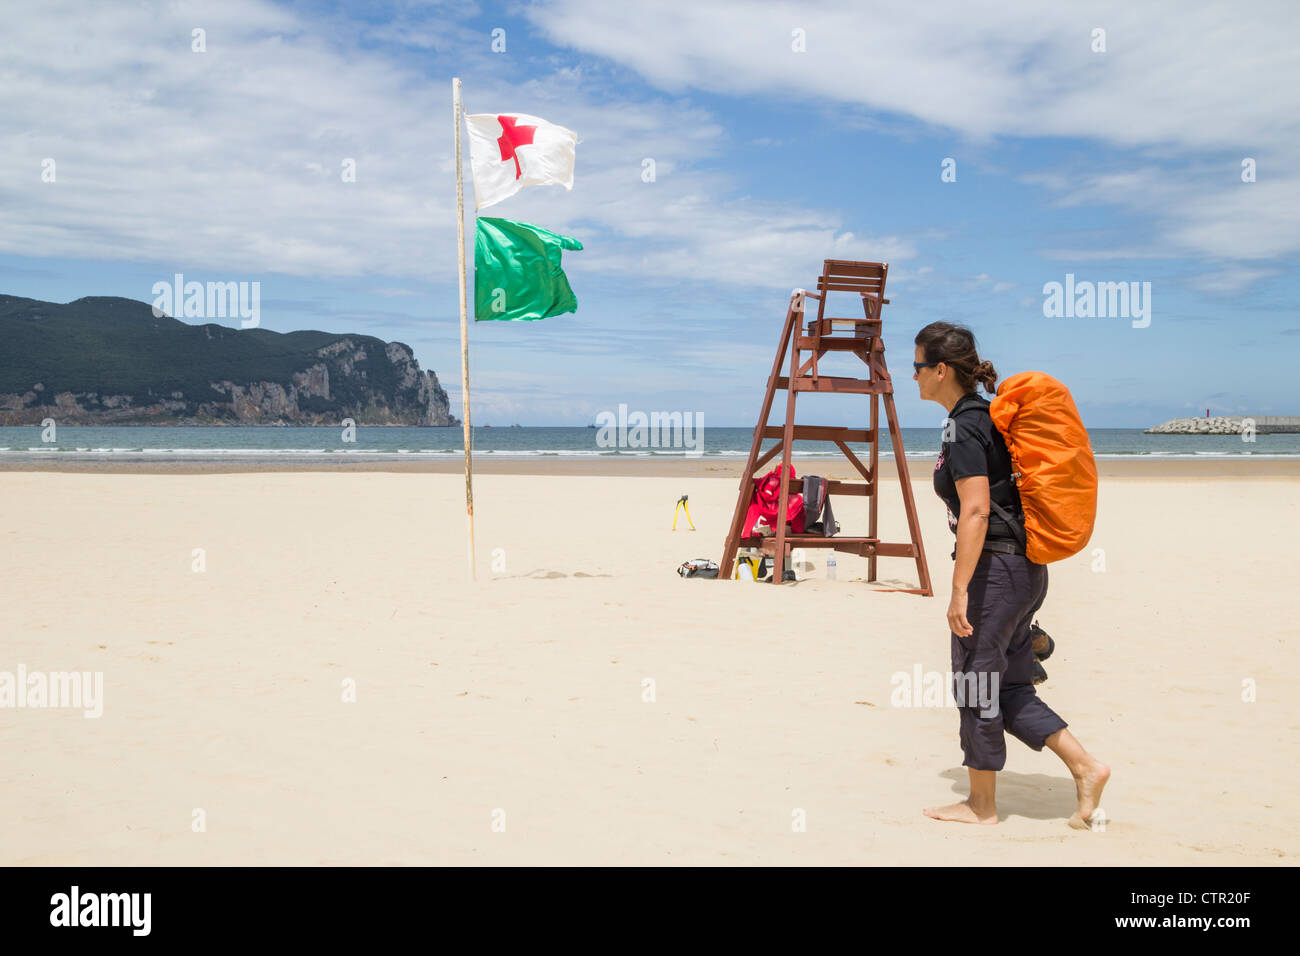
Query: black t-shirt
{"points": [[976, 448]]}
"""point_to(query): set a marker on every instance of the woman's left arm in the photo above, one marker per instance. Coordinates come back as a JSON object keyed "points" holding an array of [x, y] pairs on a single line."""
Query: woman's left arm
{"points": [[973, 492]]}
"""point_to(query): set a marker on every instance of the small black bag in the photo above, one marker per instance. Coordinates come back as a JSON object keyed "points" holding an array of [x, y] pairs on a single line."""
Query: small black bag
{"points": [[765, 571]]}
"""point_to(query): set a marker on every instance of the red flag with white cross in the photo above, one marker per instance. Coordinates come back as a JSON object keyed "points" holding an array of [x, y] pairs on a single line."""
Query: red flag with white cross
{"points": [[508, 151]]}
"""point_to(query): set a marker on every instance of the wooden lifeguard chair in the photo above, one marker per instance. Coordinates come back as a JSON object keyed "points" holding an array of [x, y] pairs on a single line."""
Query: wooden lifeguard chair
{"points": [[859, 337]]}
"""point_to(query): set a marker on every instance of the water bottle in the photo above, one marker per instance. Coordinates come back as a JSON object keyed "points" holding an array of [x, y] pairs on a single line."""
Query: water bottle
{"points": [[830, 569]]}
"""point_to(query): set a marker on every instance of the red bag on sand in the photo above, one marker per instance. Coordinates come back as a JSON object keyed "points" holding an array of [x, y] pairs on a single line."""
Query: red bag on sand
{"points": [[1052, 455], [766, 500]]}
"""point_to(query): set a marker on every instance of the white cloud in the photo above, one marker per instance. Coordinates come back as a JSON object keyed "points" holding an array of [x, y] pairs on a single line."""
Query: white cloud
{"points": [[1201, 209], [231, 160], [1229, 281], [1203, 76], [1177, 81]]}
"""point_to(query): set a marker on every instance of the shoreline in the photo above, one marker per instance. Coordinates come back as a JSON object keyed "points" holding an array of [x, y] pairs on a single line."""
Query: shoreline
{"points": [[918, 468]]}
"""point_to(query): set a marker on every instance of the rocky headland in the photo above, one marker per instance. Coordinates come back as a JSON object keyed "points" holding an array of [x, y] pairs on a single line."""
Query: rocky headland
{"points": [[111, 361]]}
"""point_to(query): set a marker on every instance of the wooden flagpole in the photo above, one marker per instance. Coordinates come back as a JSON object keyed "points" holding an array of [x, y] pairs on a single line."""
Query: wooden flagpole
{"points": [[464, 332]]}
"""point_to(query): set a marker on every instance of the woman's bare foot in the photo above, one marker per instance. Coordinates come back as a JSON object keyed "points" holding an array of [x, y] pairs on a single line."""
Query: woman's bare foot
{"points": [[962, 813], [1089, 773], [1089, 783]]}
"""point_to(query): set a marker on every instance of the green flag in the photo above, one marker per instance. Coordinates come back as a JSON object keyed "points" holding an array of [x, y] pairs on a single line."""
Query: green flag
{"points": [[517, 274]]}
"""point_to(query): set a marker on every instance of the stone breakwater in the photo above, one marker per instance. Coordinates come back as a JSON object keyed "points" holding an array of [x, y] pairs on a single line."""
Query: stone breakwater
{"points": [[1230, 425]]}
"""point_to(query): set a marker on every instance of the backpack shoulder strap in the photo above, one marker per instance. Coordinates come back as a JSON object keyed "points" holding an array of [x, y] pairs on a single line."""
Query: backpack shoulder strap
{"points": [[973, 401], [966, 403], [1012, 522]]}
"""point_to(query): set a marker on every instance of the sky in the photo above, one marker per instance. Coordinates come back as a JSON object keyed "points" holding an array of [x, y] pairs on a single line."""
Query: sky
{"points": [[1113, 142]]}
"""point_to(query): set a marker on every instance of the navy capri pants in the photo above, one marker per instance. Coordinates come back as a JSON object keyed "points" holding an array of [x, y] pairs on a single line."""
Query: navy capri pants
{"points": [[993, 667]]}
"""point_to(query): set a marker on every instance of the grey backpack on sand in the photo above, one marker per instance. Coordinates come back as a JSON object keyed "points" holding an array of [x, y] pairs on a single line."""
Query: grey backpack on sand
{"points": [[699, 568], [818, 518]]}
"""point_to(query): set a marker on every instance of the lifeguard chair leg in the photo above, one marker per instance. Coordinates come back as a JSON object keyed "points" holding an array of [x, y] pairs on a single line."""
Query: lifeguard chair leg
{"points": [[872, 526], [734, 533], [909, 503], [786, 465]]}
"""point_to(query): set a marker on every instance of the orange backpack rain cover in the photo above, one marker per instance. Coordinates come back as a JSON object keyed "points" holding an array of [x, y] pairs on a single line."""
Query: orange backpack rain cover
{"points": [[1056, 473]]}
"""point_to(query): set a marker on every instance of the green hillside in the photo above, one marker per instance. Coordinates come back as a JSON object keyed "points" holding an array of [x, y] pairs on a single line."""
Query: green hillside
{"points": [[105, 346]]}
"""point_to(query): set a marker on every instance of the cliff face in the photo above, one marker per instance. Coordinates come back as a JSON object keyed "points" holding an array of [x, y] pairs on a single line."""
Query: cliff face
{"points": [[111, 361], [415, 398]]}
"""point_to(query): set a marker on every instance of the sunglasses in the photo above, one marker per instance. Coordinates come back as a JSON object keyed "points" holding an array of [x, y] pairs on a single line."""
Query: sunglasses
{"points": [[917, 366]]}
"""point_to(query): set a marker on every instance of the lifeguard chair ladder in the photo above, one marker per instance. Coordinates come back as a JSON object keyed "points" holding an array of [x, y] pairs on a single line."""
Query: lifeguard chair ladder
{"points": [[860, 337]]}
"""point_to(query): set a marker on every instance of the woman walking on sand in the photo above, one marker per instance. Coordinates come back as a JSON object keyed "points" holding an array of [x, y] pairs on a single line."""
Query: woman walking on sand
{"points": [[996, 590]]}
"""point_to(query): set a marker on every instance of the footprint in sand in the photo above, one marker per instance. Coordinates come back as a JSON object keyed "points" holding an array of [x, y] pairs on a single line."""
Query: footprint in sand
{"points": [[541, 575]]}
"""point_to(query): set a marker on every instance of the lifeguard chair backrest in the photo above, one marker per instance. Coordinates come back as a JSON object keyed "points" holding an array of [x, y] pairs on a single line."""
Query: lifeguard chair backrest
{"points": [[847, 275]]}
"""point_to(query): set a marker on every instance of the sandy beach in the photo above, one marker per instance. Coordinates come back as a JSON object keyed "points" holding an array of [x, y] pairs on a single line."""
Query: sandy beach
{"points": [[511, 721]]}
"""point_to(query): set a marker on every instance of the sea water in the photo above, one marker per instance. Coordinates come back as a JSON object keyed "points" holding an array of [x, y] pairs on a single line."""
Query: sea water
{"points": [[166, 442]]}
